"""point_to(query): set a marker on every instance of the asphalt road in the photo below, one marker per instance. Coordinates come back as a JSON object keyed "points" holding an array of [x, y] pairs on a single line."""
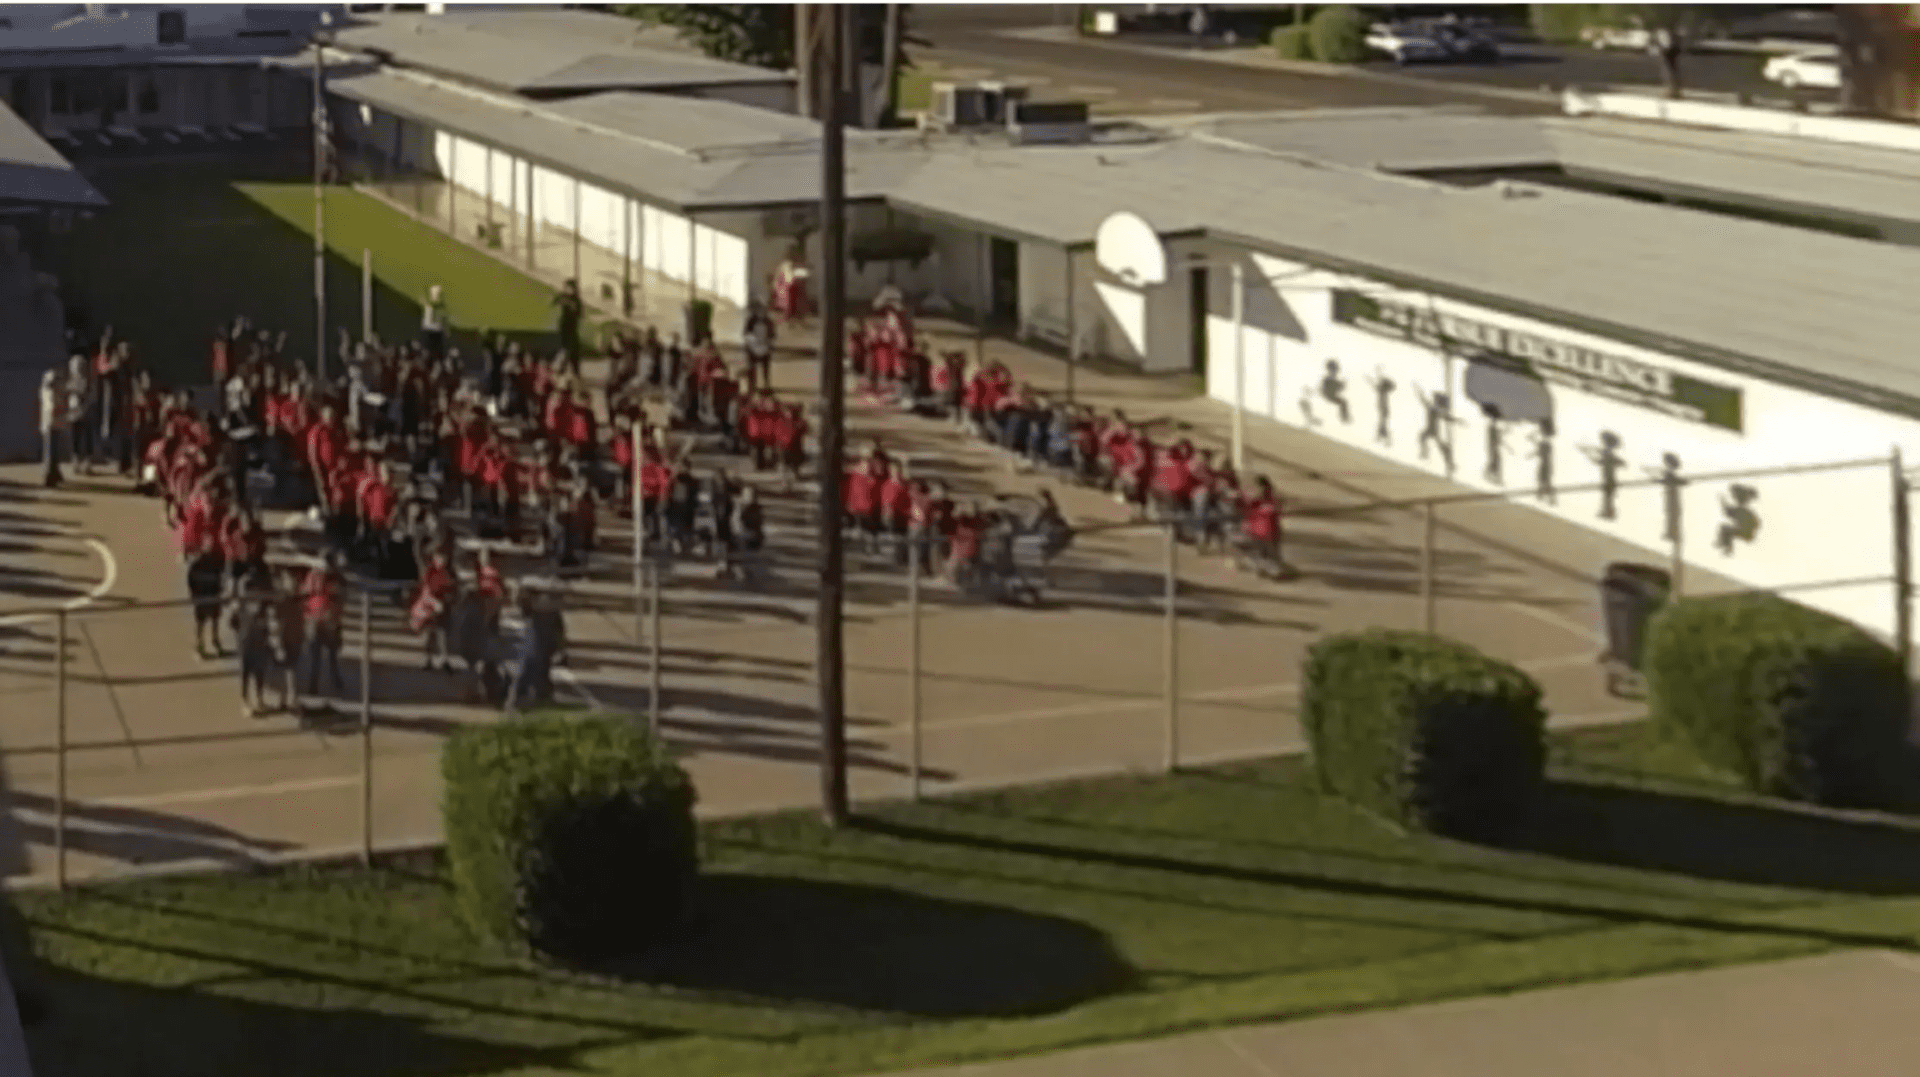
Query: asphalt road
{"points": [[1170, 81], [1166, 71]]}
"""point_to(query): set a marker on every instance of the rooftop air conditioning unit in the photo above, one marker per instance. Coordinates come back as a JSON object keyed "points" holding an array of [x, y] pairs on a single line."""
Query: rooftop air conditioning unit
{"points": [[1030, 122], [960, 105]]}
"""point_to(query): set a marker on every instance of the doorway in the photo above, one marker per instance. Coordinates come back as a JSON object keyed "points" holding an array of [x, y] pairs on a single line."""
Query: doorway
{"points": [[1003, 282], [1197, 317]]}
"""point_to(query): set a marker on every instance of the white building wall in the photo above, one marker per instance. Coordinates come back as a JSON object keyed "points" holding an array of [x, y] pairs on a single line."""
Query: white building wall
{"points": [[1816, 530]]}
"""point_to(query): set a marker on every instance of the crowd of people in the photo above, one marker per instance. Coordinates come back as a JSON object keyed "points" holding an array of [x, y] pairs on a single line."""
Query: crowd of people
{"points": [[406, 439]]}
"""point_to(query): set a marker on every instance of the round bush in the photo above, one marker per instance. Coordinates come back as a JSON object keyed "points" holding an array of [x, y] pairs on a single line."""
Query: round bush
{"points": [[1426, 732], [568, 837], [1293, 43], [1794, 702], [1339, 34]]}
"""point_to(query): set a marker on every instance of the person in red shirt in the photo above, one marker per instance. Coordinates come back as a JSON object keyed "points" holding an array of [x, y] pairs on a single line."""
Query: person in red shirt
{"points": [[378, 508], [963, 545], [1260, 529], [324, 450], [321, 604], [202, 518], [790, 431], [433, 599], [896, 508], [243, 544], [1173, 481], [860, 495], [762, 421], [656, 479]]}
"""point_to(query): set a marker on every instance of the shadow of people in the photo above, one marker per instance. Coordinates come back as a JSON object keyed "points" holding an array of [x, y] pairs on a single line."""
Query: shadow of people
{"points": [[881, 950], [1752, 842], [133, 835]]}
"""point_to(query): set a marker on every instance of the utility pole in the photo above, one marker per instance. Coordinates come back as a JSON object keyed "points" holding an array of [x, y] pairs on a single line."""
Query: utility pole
{"points": [[830, 658], [806, 62], [322, 147]]}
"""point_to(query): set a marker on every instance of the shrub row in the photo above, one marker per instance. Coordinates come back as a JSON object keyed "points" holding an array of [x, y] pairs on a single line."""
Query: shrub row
{"points": [[1334, 35], [572, 837], [1423, 731], [1791, 701]]}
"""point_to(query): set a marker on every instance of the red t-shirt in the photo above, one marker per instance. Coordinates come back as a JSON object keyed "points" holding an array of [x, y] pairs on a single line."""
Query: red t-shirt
{"points": [[1174, 476], [1261, 519], [860, 492], [242, 542], [377, 503], [326, 445], [322, 591], [896, 498], [655, 477]]}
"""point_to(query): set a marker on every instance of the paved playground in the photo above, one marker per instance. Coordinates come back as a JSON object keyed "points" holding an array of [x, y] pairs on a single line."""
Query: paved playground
{"points": [[163, 766]]}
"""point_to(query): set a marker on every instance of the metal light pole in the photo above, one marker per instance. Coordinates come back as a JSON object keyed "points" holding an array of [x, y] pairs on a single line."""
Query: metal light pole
{"points": [[1239, 368], [830, 23], [320, 152]]}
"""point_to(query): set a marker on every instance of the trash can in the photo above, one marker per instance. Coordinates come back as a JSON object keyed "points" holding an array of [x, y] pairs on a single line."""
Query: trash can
{"points": [[1630, 594]]}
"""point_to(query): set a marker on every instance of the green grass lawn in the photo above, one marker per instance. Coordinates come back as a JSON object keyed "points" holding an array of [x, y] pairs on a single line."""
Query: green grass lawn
{"points": [[186, 247], [983, 926]]}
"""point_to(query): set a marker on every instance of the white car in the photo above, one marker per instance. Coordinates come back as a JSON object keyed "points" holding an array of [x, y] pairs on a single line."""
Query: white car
{"points": [[1403, 46], [1627, 38], [1816, 70]]}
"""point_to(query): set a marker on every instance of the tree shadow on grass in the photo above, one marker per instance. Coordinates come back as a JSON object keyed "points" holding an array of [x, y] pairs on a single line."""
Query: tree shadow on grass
{"points": [[880, 950], [1749, 841], [96, 1027]]}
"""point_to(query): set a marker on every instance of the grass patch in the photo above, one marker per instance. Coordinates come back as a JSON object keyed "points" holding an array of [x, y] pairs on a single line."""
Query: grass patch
{"points": [[979, 927], [184, 248]]}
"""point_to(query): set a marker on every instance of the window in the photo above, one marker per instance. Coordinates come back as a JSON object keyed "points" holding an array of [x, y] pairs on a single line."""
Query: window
{"points": [[58, 102], [23, 97], [149, 98], [173, 27]]}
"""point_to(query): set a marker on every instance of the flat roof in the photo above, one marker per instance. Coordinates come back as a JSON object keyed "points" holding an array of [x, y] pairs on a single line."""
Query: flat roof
{"points": [[541, 49], [1825, 313], [33, 172], [1846, 181]]}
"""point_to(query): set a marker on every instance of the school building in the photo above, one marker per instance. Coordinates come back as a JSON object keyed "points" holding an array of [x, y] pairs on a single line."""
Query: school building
{"points": [[1629, 324]]}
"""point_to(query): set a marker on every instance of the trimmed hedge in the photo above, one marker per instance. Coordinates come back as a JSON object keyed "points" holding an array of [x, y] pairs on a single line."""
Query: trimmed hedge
{"points": [[1794, 702], [571, 837], [1339, 34], [1292, 43], [1563, 24], [1425, 732]]}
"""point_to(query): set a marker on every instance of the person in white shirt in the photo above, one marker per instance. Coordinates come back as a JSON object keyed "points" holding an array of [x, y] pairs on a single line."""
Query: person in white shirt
{"points": [[53, 424], [433, 325]]}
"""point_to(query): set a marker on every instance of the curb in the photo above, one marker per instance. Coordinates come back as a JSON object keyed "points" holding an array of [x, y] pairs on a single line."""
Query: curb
{"points": [[1256, 62]]}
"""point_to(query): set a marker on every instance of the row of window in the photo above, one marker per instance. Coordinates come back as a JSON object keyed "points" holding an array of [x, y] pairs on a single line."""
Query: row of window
{"points": [[80, 95]]}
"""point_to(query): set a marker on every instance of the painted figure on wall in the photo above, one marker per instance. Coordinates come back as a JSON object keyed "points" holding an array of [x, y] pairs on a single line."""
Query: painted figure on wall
{"points": [[1606, 456], [1383, 405], [1333, 389], [1437, 432], [1496, 471], [1739, 520], [1543, 461], [1670, 486]]}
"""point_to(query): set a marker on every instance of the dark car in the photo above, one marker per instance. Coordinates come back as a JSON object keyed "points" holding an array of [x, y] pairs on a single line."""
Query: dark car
{"points": [[1464, 43]]}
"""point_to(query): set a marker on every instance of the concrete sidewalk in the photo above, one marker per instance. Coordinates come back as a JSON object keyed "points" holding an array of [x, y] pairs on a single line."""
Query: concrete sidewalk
{"points": [[1846, 1013]]}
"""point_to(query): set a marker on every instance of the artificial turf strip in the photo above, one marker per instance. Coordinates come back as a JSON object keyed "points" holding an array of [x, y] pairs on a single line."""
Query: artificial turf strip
{"points": [[980, 927], [183, 248]]}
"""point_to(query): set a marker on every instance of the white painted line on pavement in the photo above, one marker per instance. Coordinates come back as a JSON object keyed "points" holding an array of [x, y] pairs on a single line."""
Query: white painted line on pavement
{"points": [[109, 575], [1222, 695], [1241, 1052], [232, 792]]}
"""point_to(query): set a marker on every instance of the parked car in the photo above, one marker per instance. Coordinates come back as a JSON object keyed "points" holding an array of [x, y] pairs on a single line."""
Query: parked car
{"points": [[1618, 38], [1816, 70], [1403, 45], [1465, 44]]}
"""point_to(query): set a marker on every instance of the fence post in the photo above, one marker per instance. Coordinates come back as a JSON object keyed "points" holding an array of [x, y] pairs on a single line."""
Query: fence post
{"points": [[1677, 547], [1173, 647], [1429, 591], [366, 727], [60, 751], [366, 293], [913, 665], [653, 643], [1902, 564], [639, 535]]}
